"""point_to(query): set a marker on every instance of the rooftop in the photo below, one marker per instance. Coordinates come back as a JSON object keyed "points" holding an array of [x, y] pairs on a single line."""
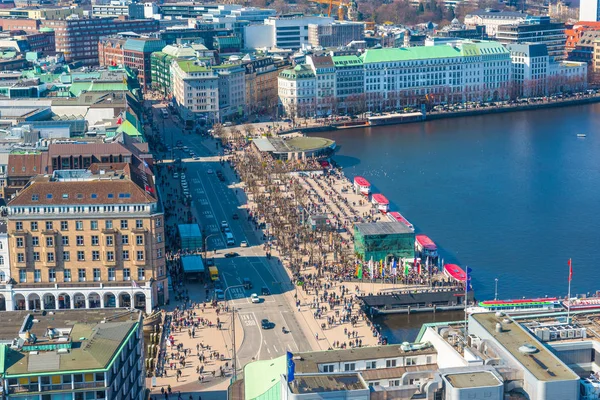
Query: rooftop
{"points": [[309, 362], [89, 339], [473, 379], [382, 228], [320, 383], [295, 144], [544, 365]]}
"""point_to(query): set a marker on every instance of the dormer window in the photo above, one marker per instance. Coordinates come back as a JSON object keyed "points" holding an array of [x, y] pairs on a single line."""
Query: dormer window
{"points": [[35, 197]]}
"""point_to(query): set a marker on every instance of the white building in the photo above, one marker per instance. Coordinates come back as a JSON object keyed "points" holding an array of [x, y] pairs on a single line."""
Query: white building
{"points": [[297, 89], [530, 69], [589, 10], [491, 19], [324, 71], [195, 90], [283, 32], [232, 89]]}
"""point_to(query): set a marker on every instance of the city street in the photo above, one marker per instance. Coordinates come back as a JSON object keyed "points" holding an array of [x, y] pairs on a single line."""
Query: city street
{"points": [[214, 202]]}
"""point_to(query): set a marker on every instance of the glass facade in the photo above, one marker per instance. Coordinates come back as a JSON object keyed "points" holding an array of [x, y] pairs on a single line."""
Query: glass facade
{"points": [[384, 246]]}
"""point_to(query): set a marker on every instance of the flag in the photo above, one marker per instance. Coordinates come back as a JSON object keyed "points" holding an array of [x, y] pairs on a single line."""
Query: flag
{"points": [[419, 267], [360, 272], [383, 269], [468, 283], [427, 264], [394, 267], [134, 284], [570, 270], [406, 269], [291, 367], [371, 267]]}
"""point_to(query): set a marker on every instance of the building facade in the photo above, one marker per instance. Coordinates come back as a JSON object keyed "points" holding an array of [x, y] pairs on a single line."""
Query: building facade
{"points": [[78, 38], [282, 32], [324, 71], [232, 90], [492, 19], [261, 84], [297, 90], [589, 10], [530, 69], [536, 30], [87, 239], [195, 90], [336, 34]]}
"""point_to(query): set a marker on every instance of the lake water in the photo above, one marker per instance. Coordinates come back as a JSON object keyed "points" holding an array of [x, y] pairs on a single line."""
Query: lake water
{"points": [[512, 196]]}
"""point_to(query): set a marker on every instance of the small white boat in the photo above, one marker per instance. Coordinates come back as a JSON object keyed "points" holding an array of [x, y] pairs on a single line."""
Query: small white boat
{"points": [[581, 135]]}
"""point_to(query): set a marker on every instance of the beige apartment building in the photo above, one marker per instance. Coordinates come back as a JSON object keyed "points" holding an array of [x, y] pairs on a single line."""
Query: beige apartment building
{"points": [[87, 239]]}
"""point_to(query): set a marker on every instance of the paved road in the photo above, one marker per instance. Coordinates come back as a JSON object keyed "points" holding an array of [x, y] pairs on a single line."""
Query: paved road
{"points": [[216, 201]]}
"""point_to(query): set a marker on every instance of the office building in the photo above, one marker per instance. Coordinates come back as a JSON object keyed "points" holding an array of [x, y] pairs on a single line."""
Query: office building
{"points": [[530, 69], [41, 12], [336, 34], [536, 30], [492, 19], [195, 89], [589, 10], [87, 238], [261, 84], [78, 38], [132, 51], [282, 32], [72, 355]]}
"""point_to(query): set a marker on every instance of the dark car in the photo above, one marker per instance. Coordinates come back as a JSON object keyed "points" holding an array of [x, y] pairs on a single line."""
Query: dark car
{"points": [[247, 283], [231, 254], [266, 324], [235, 216], [265, 291]]}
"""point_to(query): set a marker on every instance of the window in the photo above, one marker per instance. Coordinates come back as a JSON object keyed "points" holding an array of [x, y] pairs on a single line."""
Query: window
{"points": [[139, 224], [159, 253], [65, 240], [96, 274], [50, 241], [1, 260], [328, 368], [22, 276], [51, 275], [19, 242], [21, 257], [81, 255], [394, 382], [49, 226], [124, 239], [64, 225], [95, 240], [390, 363], [81, 274], [95, 255], [371, 364], [126, 274], [376, 383], [66, 256], [67, 275], [19, 226], [79, 240], [349, 367], [108, 224], [35, 241], [79, 225], [158, 238], [140, 255], [141, 274], [50, 257], [109, 240], [37, 275], [428, 360], [125, 254], [34, 226], [94, 225], [110, 256], [139, 240], [410, 361], [158, 222], [124, 224], [111, 274]]}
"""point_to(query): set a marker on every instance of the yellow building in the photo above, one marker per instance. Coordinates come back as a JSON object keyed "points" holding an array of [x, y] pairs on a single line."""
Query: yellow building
{"points": [[87, 239], [42, 12]]}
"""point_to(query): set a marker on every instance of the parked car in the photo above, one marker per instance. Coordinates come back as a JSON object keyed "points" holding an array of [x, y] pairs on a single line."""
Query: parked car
{"points": [[266, 324], [231, 254], [243, 243], [247, 283], [254, 298], [265, 291]]}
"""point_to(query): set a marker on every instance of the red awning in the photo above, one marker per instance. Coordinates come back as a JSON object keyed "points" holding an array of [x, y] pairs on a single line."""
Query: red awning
{"points": [[359, 180], [380, 199], [425, 242]]}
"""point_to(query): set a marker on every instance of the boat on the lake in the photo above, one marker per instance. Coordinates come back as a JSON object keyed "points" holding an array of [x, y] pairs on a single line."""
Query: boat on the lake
{"points": [[455, 272], [362, 186], [544, 304], [381, 202], [425, 246], [395, 216]]}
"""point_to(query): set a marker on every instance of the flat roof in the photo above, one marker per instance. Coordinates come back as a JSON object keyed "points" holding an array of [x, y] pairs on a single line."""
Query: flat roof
{"points": [[95, 337], [473, 379], [293, 145], [308, 362], [544, 365], [192, 264], [382, 228], [189, 230], [304, 384]]}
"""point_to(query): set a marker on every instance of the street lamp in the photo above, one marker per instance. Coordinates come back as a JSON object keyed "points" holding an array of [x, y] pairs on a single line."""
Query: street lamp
{"points": [[205, 245], [233, 361], [496, 291]]}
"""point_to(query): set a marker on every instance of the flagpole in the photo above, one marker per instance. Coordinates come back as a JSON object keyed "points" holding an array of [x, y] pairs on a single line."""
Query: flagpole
{"points": [[569, 292], [466, 302]]}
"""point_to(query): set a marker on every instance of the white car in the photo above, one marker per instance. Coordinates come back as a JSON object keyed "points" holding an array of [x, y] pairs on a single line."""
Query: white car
{"points": [[243, 243], [210, 171], [254, 298], [176, 175]]}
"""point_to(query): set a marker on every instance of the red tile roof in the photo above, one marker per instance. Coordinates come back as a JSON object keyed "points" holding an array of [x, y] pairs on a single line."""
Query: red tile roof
{"points": [[24, 164]]}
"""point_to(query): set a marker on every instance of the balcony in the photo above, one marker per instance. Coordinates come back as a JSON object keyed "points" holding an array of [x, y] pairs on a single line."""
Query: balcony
{"points": [[89, 385]]}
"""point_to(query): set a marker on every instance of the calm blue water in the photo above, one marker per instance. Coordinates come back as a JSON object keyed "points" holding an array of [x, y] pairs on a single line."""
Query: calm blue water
{"points": [[512, 196]]}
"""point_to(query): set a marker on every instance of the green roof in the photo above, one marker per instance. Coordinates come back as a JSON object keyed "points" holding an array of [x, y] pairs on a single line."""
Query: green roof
{"points": [[144, 45], [464, 49], [346, 61], [225, 41], [190, 66], [2, 355], [300, 71], [131, 126], [262, 378]]}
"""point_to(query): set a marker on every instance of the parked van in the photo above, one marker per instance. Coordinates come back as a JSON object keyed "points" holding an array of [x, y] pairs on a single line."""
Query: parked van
{"points": [[229, 239]]}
